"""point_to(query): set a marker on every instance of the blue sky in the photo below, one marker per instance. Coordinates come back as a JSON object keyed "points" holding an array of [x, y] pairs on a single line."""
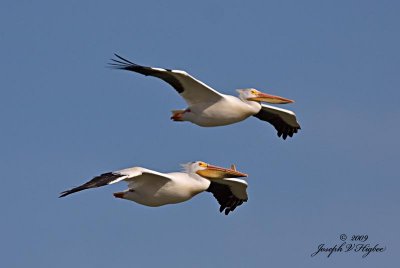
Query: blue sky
{"points": [[66, 117]]}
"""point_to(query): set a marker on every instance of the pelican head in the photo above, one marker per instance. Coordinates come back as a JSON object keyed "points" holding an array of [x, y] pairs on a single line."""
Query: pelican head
{"points": [[252, 94], [213, 172]]}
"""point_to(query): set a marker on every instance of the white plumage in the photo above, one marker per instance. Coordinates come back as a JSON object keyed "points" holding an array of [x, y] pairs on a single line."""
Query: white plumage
{"points": [[209, 108], [152, 188]]}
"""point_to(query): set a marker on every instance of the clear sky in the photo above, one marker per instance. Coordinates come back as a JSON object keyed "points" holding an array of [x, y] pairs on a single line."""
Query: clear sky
{"points": [[65, 118]]}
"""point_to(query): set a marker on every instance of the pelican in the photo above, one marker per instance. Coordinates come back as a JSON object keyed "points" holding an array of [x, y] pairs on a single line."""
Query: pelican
{"points": [[151, 188], [209, 108]]}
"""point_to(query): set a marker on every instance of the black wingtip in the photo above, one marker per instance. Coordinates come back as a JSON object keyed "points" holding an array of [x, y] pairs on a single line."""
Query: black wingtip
{"points": [[121, 63], [284, 133], [98, 181], [65, 193], [123, 59], [73, 190]]}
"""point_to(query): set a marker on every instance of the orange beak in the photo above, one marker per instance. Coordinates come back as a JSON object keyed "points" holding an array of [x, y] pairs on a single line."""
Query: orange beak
{"points": [[215, 172], [270, 98]]}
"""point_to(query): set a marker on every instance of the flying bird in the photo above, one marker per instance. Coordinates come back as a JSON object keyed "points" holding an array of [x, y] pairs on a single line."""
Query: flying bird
{"points": [[152, 188], [209, 108]]}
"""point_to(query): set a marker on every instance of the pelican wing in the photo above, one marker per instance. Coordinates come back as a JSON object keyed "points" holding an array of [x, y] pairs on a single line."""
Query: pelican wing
{"points": [[192, 90], [127, 175], [283, 120], [230, 193]]}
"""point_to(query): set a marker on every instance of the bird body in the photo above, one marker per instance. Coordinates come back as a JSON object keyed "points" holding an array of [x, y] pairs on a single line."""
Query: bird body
{"points": [[151, 188], [153, 191], [228, 110], [210, 108]]}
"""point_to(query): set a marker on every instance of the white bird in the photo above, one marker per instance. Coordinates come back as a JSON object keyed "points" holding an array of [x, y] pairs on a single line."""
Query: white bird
{"points": [[209, 108], [152, 188]]}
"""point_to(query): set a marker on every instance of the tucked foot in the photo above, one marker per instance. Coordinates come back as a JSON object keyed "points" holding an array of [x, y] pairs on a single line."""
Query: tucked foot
{"points": [[177, 115], [119, 195]]}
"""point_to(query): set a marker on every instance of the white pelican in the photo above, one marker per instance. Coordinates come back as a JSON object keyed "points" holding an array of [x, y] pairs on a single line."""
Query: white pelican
{"points": [[152, 188], [209, 108]]}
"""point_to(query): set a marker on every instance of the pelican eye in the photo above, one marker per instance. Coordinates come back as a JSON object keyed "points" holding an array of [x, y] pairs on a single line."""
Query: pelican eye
{"points": [[253, 91], [202, 164]]}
